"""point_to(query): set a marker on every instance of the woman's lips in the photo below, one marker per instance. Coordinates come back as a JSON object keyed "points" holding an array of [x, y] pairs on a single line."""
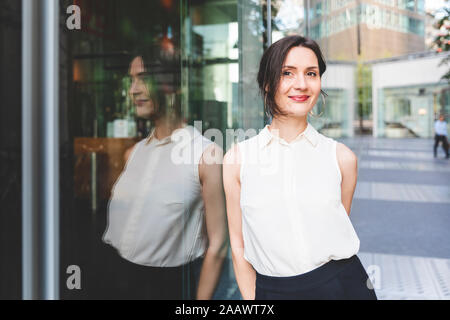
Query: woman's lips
{"points": [[140, 103], [299, 98]]}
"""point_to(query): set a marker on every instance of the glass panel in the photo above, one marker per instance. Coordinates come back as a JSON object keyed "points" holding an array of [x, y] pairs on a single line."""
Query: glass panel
{"points": [[406, 4], [337, 118], [410, 5], [221, 52], [212, 72], [253, 36], [224, 42], [133, 219], [210, 85], [10, 149], [328, 29], [135, 70], [288, 18], [411, 111], [421, 6]]}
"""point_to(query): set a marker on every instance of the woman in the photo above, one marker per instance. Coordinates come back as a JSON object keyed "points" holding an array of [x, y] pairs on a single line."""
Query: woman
{"points": [[167, 218], [289, 191]]}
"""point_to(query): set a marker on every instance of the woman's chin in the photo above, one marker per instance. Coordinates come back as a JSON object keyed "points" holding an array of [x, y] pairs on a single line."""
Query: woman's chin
{"points": [[298, 113], [144, 112]]}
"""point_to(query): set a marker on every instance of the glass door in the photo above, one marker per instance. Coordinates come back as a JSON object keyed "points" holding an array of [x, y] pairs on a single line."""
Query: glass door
{"points": [[123, 53], [132, 69]]}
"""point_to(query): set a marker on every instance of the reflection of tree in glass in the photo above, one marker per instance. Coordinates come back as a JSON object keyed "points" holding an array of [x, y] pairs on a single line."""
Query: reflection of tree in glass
{"points": [[289, 15], [255, 18], [442, 41]]}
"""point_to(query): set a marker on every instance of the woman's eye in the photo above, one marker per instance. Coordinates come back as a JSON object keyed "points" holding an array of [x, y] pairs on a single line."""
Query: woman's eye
{"points": [[312, 74], [287, 73]]}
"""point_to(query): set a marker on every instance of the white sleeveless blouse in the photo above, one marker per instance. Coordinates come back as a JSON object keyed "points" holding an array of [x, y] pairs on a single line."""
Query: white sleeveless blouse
{"points": [[293, 220], [156, 215]]}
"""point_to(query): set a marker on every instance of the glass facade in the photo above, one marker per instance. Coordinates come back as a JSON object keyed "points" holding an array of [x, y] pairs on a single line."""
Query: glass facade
{"points": [[373, 15], [197, 62], [334, 120], [377, 17], [411, 111], [201, 55], [210, 67]]}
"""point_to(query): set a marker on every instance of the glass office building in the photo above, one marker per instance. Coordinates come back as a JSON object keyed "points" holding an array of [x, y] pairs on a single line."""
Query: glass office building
{"points": [[373, 29], [206, 52]]}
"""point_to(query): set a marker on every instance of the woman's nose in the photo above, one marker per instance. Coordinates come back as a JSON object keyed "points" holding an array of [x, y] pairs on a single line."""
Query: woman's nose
{"points": [[300, 82], [135, 88]]}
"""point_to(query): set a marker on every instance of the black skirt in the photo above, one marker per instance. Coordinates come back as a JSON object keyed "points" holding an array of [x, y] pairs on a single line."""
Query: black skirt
{"points": [[126, 280], [344, 279]]}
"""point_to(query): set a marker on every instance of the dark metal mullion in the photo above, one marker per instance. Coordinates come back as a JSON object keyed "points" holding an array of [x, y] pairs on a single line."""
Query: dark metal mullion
{"points": [[40, 149], [30, 148]]}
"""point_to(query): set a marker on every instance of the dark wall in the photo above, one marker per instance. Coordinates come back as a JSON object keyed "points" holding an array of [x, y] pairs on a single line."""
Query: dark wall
{"points": [[10, 149]]}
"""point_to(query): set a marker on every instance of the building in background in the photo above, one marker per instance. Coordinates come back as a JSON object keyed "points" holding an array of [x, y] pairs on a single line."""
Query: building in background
{"points": [[408, 95]]}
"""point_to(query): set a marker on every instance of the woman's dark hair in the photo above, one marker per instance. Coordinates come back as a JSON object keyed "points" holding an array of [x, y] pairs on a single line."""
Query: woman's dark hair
{"points": [[271, 64]]}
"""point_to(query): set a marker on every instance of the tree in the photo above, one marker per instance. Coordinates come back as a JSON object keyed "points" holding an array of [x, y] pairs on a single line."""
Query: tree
{"points": [[364, 91], [441, 42]]}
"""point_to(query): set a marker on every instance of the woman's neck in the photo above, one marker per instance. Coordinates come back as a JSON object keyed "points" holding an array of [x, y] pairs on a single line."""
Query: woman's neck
{"points": [[164, 127], [288, 128]]}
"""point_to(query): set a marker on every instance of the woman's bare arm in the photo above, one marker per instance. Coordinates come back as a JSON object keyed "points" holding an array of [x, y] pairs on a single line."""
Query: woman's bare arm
{"points": [[210, 173], [348, 164], [243, 270]]}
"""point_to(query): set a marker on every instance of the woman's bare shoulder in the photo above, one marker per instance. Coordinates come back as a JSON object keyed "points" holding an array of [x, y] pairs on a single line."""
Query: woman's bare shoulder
{"points": [[347, 159], [232, 156], [128, 152], [232, 165]]}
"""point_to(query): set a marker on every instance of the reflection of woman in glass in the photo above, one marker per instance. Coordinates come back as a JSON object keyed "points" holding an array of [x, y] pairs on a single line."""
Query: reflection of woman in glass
{"points": [[166, 218], [289, 191]]}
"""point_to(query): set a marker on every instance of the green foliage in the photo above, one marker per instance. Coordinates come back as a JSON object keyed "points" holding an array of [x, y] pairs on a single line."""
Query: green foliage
{"points": [[441, 42], [364, 89]]}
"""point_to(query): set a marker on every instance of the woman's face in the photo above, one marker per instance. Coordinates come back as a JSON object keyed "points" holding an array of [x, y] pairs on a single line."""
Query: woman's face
{"points": [[299, 86], [139, 90]]}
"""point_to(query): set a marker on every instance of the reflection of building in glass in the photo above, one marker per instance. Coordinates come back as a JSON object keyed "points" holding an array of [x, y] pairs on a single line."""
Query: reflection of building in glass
{"points": [[408, 95], [339, 84], [213, 44], [376, 29]]}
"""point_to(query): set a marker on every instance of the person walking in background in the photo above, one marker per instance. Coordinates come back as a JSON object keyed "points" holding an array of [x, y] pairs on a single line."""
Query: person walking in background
{"points": [[440, 130]]}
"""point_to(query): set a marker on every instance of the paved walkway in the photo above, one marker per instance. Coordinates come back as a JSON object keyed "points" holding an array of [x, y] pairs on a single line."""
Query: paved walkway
{"points": [[401, 212], [397, 277]]}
